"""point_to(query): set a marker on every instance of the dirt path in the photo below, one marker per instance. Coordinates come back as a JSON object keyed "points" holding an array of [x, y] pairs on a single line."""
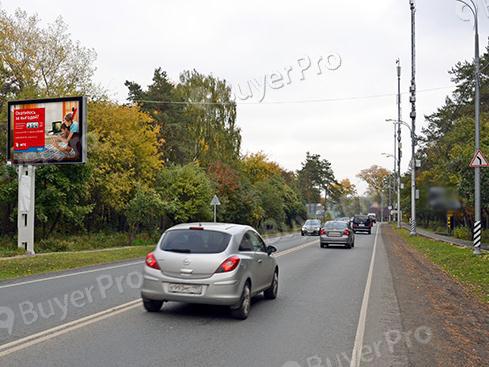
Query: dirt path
{"points": [[428, 296]]}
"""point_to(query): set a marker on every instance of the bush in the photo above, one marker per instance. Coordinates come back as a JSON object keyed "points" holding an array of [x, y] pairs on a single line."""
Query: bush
{"points": [[462, 233], [485, 236]]}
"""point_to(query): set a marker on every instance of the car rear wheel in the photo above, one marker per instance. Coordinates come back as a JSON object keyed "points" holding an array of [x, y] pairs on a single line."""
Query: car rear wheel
{"points": [[243, 309], [271, 293], [369, 232], [348, 245], [152, 305]]}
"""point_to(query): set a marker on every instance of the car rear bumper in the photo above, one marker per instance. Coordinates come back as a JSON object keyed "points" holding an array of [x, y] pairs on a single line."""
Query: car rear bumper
{"points": [[311, 233], [334, 240], [215, 290], [362, 229]]}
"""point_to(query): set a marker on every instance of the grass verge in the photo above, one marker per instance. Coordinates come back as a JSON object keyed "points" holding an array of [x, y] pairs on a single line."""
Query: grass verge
{"points": [[470, 270], [58, 254], [21, 267]]}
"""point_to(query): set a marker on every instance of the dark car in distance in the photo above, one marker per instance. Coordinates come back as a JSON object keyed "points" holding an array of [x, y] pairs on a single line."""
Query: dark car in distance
{"points": [[362, 223], [311, 227]]}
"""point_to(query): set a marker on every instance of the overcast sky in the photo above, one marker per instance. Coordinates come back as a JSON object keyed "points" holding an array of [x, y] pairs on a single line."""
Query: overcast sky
{"points": [[249, 41]]}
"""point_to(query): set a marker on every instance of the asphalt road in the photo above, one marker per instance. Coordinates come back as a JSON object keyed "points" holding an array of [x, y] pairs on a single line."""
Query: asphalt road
{"points": [[316, 316]]}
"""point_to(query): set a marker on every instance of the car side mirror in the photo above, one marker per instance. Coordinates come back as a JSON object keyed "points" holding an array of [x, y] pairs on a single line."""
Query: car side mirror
{"points": [[271, 249]]}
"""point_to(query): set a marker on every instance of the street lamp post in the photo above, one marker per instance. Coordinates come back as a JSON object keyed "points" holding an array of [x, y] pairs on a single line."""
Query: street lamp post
{"points": [[392, 178], [412, 99], [477, 194], [413, 165]]}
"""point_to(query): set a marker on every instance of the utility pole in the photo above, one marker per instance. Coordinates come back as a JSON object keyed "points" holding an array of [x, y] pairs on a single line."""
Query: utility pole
{"points": [[394, 177], [477, 176], [399, 146], [477, 171], [412, 99]]}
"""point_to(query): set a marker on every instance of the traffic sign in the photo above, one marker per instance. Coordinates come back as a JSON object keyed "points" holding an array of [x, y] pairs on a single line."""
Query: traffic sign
{"points": [[478, 160], [215, 201]]}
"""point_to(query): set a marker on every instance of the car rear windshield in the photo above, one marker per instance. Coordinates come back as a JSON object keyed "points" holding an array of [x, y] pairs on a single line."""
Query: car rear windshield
{"points": [[361, 219], [312, 223], [335, 225], [195, 241]]}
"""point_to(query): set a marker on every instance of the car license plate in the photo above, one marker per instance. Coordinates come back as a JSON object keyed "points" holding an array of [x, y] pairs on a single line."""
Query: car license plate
{"points": [[184, 288], [334, 234], [361, 225]]}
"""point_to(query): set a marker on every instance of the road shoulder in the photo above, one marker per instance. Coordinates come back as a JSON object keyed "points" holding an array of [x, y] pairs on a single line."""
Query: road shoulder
{"points": [[429, 297]]}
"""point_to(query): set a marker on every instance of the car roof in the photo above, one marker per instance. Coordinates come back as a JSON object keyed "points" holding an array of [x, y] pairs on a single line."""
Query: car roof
{"points": [[230, 228]]}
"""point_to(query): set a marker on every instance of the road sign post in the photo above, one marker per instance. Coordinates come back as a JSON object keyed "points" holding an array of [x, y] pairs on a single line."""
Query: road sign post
{"points": [[215, 202], [478, 161]]}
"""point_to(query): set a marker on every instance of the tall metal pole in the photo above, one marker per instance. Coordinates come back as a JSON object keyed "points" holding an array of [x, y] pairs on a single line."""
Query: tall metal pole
{"points": [[399, 151], [412, 99], [394, 177], [477, 176]]}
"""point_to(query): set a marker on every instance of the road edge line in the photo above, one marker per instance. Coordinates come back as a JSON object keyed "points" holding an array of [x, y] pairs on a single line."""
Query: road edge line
{"points": [[110, 267], [48, 334], [358, 344]]}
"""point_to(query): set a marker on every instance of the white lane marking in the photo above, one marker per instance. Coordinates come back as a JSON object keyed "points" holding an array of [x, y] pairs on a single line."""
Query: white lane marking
{"points": [[54, 332], [296, 248], [70, 274], [357, 346]]}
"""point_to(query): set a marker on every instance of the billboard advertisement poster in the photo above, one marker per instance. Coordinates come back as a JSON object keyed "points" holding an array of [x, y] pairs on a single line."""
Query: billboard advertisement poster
{"points": [[47, 131]]}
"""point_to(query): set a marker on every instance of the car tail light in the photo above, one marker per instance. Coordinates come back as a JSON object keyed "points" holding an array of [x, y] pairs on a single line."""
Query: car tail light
{"points": [[229, 264], [151, 261], [346, 232], [322, 231]]}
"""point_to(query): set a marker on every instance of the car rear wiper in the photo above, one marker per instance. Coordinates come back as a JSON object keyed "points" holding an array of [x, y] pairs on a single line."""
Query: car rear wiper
{"points": [[182, 250]]}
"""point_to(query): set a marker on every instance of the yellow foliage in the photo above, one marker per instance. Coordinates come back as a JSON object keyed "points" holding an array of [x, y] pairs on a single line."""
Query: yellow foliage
{"points": [[125, 153], [258, 168]]}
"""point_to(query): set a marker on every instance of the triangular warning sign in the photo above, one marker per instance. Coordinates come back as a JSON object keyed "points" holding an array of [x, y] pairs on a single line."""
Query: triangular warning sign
{"points": [[478, 160]]}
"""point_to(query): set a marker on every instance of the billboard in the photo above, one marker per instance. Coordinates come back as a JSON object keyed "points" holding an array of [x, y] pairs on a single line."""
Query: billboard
{"points": [[47, 131]]}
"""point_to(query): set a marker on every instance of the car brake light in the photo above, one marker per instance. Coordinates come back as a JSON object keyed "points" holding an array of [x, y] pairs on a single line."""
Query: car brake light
{"points": [[197, 228], [346, 232], [151, 261], [322, 231], [229, 264]]}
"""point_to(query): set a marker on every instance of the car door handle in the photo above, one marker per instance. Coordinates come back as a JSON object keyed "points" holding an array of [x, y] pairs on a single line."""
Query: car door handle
{"points": [[259, 261]]}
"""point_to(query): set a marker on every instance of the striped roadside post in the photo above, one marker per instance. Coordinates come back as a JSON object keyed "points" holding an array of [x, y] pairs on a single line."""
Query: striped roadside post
{"points": [[477, 237]]}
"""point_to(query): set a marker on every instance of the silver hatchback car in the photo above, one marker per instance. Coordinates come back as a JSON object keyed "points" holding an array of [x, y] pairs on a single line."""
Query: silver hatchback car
{"points": [[210, 263]]}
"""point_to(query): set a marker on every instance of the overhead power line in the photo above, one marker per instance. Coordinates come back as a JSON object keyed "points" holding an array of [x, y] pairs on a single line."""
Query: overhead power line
{"points": [[304, 101]]}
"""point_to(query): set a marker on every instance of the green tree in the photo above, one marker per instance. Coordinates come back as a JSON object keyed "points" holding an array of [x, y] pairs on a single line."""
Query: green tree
{"points": [[315, 176], [377, 180], [196, 117], [144, 211], [186, 192]]}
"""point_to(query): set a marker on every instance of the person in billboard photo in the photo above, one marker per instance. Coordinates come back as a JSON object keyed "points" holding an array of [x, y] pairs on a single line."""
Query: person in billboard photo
{"points": [[72, 125], [68, 142]]}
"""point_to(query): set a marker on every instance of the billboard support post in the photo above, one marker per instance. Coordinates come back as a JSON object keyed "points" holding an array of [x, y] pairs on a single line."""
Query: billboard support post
{"points": [[25, 213]]}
